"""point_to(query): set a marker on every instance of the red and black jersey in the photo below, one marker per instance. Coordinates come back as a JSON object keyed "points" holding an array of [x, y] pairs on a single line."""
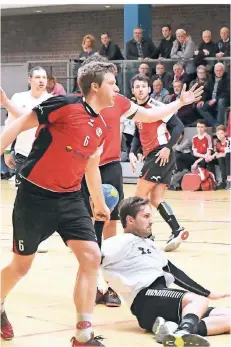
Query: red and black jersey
{"points": [[152, 135], [203, 144], [70, 132], [122, 107], [222, 148]]}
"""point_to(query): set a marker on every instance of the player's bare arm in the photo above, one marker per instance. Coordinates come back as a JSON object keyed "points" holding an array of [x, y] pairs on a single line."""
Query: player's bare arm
{"points": [[13, 110], [94, 183], [155, 114], [21, 124]]}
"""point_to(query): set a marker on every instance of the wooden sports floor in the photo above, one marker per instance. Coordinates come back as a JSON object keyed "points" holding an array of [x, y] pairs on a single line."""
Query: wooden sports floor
{"points": [[40, 307]]}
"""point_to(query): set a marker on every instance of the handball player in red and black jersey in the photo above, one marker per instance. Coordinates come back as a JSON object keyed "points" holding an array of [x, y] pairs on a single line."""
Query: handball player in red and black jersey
{"points": [[49, 198], [159, 158]]}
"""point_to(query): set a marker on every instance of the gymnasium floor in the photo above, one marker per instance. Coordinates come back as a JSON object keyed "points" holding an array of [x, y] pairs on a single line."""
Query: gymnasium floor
{"points": [[41, 308]]}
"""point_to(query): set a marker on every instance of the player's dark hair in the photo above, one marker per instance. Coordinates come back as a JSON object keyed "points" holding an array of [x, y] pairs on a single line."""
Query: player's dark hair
{"points": [[130, 207], [202, 121], [95, 58], [105, 33], [167, 26], [36, 68], [139, 77], [93, 73]]}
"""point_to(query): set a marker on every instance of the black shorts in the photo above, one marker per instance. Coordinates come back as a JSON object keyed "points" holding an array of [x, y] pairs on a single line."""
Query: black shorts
{"points": [[111, 173], [157, 300], [38, 213], [155, 173]]}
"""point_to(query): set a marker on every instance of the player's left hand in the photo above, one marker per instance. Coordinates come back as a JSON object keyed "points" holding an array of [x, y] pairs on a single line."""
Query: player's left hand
{"points": [[3, 97], [163, 156], [193, 95], [216, 296]]}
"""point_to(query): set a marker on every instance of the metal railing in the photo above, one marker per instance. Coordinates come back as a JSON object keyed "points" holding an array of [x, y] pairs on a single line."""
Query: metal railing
{"points": [[66, 70]]}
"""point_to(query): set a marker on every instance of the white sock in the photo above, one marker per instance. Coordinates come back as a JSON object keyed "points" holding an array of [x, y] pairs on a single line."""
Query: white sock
{"points": [[84, 327], [2, 306]]}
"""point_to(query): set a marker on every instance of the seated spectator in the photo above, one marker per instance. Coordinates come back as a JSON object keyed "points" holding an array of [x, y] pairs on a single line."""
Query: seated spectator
{"points": [[140, 48], [88, 44], [53, 87], [109, 49], [223, 45], [179, 74], [216, 97], [202, 147], [183, 49], [165, 77], [183, 153], [144, 69], [159, 93], [222, 154], [185, 113], [165, 46], [207, 48], [201, 80]]}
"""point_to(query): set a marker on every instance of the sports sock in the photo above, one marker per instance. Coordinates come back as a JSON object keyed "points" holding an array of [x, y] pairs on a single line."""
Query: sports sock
{"points": [[84, 327], [201, 328], [2, 306], [167, 214], [189, 322], [99, 231]]}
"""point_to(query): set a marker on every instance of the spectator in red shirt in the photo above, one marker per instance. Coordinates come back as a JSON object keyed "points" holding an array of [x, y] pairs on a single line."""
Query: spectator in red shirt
{"points": [[222, 154], [202, 146]]}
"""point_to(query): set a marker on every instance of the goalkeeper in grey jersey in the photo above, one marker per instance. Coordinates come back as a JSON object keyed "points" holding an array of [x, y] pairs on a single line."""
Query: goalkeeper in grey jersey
{"points": [[141, 273]]}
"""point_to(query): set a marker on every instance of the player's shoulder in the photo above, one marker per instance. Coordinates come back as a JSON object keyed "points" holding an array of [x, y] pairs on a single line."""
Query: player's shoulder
{"points": [[21, 95], [195, 137], [118, 241]]}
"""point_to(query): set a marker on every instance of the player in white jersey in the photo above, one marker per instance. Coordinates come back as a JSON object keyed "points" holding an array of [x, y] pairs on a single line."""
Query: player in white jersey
{"points": [[26, 101], [141, 273]]}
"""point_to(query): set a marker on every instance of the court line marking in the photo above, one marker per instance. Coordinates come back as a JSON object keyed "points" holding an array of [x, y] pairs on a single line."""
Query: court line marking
{"points": [[69, 329]]}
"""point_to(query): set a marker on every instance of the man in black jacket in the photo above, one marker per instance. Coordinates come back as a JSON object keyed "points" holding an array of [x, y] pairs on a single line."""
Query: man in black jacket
{"points": [[165, 77], [140, 48], [207, 48], [165, 46], [216, 97], [109, 49], [223, 45]]}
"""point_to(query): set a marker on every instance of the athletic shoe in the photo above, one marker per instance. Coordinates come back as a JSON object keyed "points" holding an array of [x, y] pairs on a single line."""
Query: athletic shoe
{"points": [[175, 241], [6, 328], [94, 341], [43, 247], [182, 338], [111, 298], [99, 298], [161, 328]]}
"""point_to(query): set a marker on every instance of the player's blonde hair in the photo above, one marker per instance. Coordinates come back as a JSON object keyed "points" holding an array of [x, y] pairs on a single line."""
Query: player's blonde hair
{"points": [[93, 73]]}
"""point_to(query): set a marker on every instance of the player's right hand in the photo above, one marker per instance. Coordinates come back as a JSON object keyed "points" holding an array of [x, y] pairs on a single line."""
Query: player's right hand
{"points": [[9, 160], [133, 161], [101, 213]]}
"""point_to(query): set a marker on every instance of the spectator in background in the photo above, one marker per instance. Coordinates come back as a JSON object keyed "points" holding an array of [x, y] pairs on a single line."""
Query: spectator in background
{"points": [[186, 114], [165, 77], [109, 49], [179, 74], [183, 49], [184, 158], [222, 154], [202, 147], [207, 48], [88, 44], [165, 46], [159, 93], [223, 45], [140, 48], [144, 69], [53, 87], [216, 96], [201, 80]]}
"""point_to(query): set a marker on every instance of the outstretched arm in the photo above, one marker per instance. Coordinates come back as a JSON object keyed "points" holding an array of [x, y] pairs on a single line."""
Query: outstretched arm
{"points": [[21, 124], [13, 111], [154, 114]]}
